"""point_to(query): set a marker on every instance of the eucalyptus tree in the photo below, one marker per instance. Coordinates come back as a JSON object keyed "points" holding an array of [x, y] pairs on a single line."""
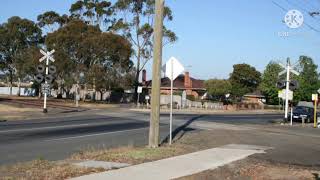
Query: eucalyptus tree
{"points": [[17, 35], [82, 48], [108, 60], [93, 12], [67, 41], [52, 21], [135, 22]]}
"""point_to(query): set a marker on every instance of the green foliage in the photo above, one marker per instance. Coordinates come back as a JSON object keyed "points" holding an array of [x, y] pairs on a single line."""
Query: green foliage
{"points": [[244, 79], [268, 83], [308, 79], [93, 12], [218, 87], [179, 93], [52, 20], [17, 37], [104, 58], [27, 62], [191, 97]]}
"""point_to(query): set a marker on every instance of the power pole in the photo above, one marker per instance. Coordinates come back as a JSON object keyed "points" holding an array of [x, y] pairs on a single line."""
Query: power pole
{"points": [[156, 76]]}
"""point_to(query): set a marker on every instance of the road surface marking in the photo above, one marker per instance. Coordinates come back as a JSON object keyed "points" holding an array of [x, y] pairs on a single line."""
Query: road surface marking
{"points": [[56, 127], [40, 128], [98, 134]]}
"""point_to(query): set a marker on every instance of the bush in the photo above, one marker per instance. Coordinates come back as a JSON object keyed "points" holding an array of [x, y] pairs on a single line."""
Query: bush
{"points": [[179, 93], [116, 95], [191, 97]]}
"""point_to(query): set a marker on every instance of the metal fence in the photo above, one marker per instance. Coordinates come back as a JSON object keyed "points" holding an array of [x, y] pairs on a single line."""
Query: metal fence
{"points": [[15, 90], [179, 103]]}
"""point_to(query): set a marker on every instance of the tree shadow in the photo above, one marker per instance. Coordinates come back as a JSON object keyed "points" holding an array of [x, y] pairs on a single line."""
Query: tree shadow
{"points": [[181, 130]]}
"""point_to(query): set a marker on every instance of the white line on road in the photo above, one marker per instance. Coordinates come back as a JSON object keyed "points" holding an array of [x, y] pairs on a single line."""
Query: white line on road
{"points": [[98, 134], [57, 127], [41, 128]]}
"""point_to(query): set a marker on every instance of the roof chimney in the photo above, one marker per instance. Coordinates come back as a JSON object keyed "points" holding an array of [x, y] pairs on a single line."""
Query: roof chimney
{"points": [[187, 80], [144, 77]]}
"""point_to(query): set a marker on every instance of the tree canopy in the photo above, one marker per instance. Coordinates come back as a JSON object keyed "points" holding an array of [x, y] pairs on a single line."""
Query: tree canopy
{"points": [[244, 79], [104, 58], [136, 24], [269, 80], [93, 12], [51, 20], [308, 79], [16, 37], [218, 88]]}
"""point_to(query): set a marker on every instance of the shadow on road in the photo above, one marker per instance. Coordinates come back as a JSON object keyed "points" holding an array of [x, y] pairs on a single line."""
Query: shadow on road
{"points": [[181, 130]]}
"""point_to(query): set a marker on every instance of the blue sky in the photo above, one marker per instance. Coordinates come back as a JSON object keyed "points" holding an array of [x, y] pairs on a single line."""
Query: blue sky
{"points": [[215, 34]]}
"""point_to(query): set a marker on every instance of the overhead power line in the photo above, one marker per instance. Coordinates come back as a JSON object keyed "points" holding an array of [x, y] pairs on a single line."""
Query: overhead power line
{"points": [[308, 2], [311, 13], [279, 6], [286, 10], [298, 6]]}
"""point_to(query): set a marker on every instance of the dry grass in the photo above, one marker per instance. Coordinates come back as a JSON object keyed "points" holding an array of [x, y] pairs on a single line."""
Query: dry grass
{"points": [[131, 155], [8, 112], [93, 105], [48, 170], [43, 170], [12, 109], [257, 169]]}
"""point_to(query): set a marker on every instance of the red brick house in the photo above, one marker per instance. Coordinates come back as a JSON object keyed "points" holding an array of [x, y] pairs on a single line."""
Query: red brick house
{"points": [[182, 83]]}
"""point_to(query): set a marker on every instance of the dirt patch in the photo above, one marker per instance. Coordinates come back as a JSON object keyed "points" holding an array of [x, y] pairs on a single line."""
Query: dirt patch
{"points": [[253, 169], [43, 170]]}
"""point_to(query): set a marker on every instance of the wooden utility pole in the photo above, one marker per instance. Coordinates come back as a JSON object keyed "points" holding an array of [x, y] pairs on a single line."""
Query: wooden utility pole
{"points": [[156, 75]]}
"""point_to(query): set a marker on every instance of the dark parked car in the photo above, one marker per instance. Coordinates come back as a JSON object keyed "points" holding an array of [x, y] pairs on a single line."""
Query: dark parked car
{"points": [[303, 111]]}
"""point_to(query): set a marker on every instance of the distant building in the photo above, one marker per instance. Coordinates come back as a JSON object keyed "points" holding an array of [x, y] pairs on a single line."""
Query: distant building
{"points": [[255, 97], [183, 82]]}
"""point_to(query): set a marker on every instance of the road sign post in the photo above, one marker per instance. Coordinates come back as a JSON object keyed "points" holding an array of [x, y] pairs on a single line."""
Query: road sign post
{"points": [[147, 100], [315, 99], [48, 57], [139, 91], [291, 114], [171, 102], [173, 69], [184, 99]]}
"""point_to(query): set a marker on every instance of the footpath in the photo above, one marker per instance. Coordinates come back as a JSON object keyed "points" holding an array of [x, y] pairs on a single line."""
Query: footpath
{"points": [[180, 166]]}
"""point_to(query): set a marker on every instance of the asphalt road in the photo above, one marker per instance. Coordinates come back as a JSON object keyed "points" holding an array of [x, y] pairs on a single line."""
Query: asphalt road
{"points": [[57, 138]]}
